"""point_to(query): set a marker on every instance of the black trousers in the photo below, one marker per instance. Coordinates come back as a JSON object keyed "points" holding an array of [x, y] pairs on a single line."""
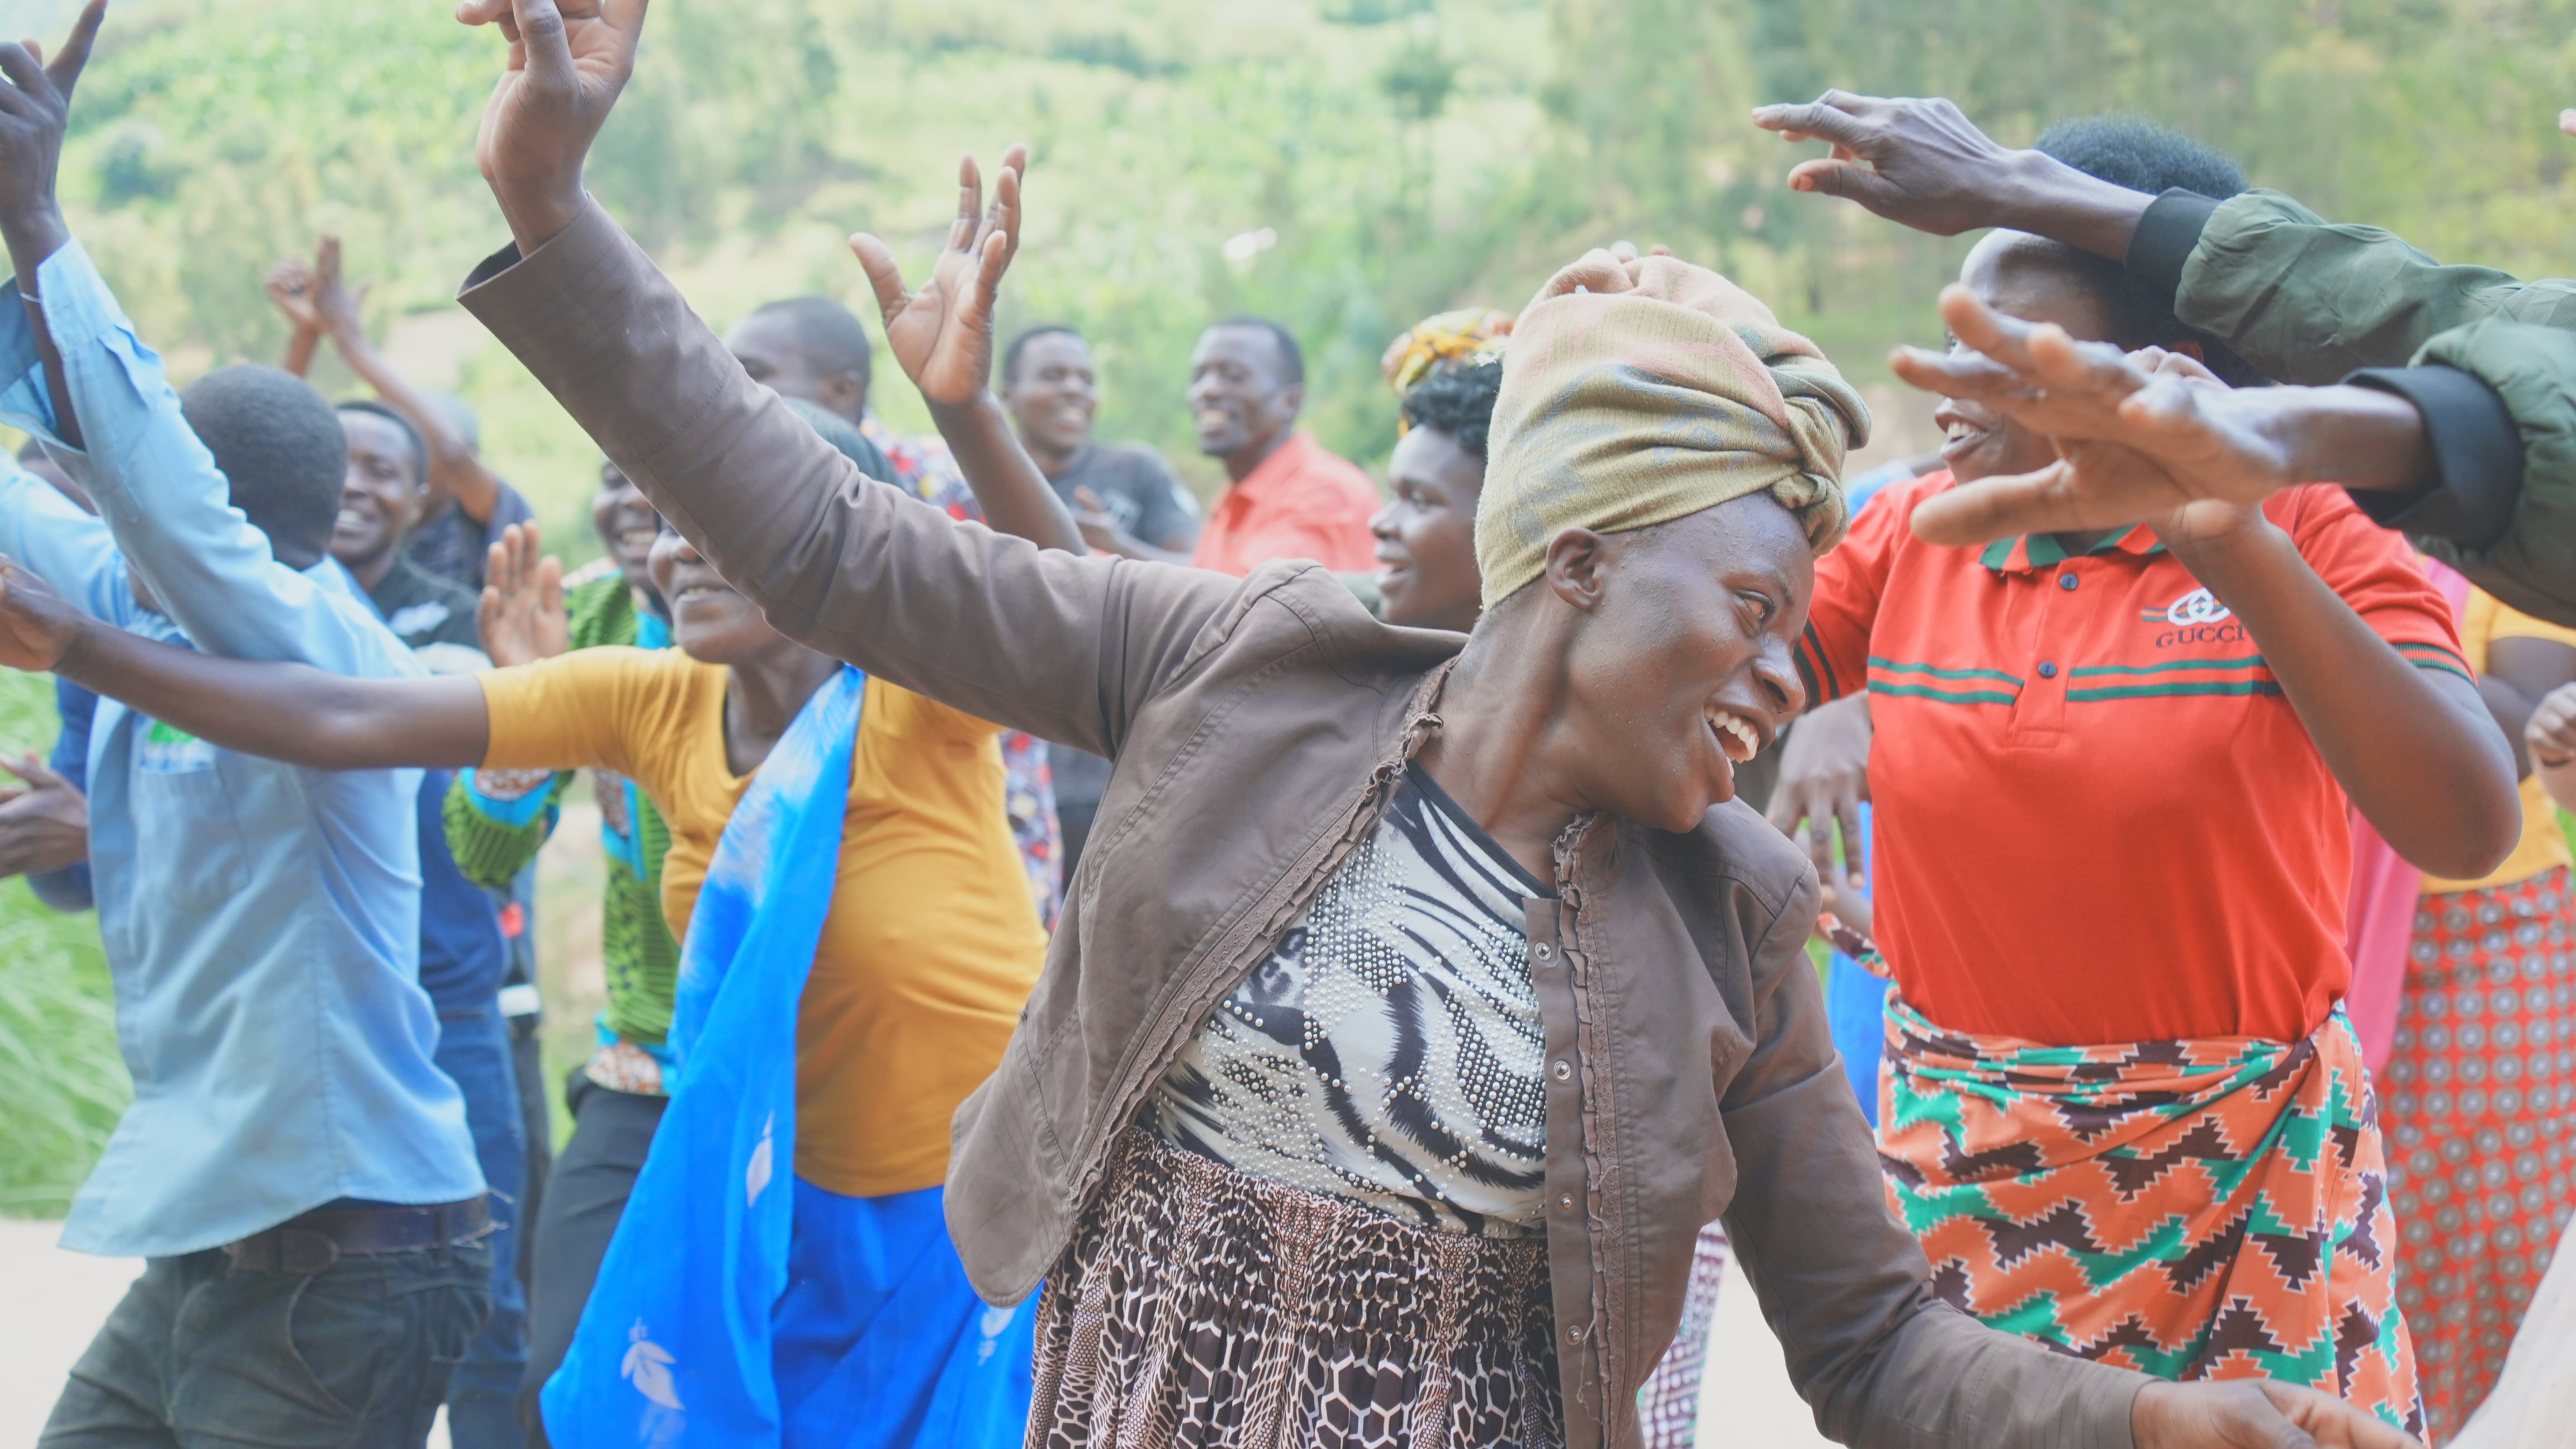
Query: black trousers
{"points": [[201, 1354], [585, 1196]]}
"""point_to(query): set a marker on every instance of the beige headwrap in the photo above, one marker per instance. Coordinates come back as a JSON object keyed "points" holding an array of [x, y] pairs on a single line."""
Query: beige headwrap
{"points": [[1642, 391]]}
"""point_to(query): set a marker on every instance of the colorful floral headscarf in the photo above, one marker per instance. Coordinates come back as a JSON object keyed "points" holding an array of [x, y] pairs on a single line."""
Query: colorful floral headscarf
{"points": [[1475, 334]]}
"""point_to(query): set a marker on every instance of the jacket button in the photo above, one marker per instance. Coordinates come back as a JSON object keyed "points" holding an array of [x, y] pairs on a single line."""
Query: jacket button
{"points": [[1563, 1071], [2048, 669], [1574, 1333], [1544, 949], [1565, 1201], [2067, 582]]}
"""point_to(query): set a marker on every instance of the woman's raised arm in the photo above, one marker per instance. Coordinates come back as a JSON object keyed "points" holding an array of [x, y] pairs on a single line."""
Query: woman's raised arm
{"points": [[1064, 647], [290, 712]]}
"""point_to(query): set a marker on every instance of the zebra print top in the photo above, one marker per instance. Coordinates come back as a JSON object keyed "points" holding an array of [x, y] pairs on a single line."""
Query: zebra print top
{"points": [[1388, 1050]]}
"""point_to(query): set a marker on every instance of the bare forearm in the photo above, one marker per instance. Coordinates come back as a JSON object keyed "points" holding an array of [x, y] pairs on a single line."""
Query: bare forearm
{"points": [[289, 712], [32, 237], [2510, 708], [2413, 748], [2046, 197], [2559, 781], [300, 345], [453, 467], [1015, 496], [2359, 437]]}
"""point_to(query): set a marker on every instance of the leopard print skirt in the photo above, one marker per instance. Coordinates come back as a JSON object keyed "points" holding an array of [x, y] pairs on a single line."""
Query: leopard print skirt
{"points": [[1200, 1306]]}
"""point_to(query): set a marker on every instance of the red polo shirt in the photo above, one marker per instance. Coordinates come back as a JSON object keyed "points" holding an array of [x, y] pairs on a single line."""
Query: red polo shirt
{"points": [[1300, 502], [2097, 818]]}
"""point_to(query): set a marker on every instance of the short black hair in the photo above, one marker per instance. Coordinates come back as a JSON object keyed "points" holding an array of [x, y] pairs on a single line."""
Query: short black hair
{"points": [[280, 446], [1019, 344], [1292, 358], [2148, 156], [1457, 397], [411, 434], [829, 332]]}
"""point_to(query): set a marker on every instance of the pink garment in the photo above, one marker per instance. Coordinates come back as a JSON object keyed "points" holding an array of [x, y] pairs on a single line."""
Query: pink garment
{"points": [[2379, 922], [2379, 915]]}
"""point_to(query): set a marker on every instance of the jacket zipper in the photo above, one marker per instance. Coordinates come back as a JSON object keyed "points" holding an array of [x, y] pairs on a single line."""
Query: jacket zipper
{"points": [[1218, 969]]}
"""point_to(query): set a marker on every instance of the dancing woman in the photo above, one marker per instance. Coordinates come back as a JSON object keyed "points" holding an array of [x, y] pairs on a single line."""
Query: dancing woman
{"points": [[2122, 1107]]}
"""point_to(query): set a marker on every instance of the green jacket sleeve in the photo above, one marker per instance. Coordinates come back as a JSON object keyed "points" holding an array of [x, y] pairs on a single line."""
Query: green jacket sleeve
{"points": [[2489, 361], [2532, 564], [491, 852], [2308, 301]]}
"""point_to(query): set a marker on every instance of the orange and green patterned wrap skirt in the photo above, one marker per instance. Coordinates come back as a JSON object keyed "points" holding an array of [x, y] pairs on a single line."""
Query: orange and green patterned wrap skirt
{"points": [[2211, 1209]]}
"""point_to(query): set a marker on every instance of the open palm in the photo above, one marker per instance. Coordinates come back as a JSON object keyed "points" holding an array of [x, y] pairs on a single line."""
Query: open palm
{"points": [[2140, 436], [521, 616], [943, 333]]}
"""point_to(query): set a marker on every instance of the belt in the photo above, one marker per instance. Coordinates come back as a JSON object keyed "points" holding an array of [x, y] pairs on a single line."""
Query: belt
{"points": [[314, 1242]]}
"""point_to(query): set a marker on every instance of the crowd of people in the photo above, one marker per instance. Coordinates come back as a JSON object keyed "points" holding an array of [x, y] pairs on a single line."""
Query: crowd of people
{"points": [[1335, 968]]}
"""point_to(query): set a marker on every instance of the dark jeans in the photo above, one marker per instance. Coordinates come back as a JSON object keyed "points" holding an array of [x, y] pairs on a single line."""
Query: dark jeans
{"points": [[200, 1353], [537, 1123], [483, 1394], [593, 1177]]}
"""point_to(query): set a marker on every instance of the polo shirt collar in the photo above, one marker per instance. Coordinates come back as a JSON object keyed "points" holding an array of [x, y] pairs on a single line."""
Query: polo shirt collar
{"points": [[2027, 552]]}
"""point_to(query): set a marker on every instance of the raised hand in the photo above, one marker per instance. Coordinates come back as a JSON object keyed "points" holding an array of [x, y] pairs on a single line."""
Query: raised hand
{"points": [[2139, 438], [1923, 164], [1918, 162], [521, 616], [568, 61], [34, 107], [36, 627], [290, 287], [2254, 1414], [943, 334], [338, 310]]}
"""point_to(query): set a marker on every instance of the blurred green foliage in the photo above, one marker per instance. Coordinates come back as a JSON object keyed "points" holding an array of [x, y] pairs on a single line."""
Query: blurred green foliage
{"points": [[1370, 161], [1405, 155]]}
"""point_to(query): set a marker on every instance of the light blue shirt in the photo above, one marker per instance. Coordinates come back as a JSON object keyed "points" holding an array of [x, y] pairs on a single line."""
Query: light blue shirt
{"points": [[262, 921]]}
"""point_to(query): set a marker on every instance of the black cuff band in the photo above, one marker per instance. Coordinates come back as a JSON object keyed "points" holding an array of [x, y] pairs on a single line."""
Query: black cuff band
{"points": [[2477, 457], [2167, 231]]}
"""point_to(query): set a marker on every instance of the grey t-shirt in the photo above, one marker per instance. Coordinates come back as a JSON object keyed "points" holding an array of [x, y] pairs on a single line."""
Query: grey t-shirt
{"points": [[1139, 490]]}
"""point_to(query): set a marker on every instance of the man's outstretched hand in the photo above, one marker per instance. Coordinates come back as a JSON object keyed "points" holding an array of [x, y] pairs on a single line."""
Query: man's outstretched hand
{"points": [[1923, 164], [943, 334], [34, 106], [2254, 1414], [568, 61]]}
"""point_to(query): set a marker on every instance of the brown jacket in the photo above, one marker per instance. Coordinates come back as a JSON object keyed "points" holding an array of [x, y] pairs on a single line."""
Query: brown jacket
{"points": [[1258, 726]]}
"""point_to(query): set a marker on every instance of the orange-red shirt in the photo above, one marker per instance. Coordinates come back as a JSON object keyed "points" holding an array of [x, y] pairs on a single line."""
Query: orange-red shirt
{"points": [[1301, 502], [2097, 817]]}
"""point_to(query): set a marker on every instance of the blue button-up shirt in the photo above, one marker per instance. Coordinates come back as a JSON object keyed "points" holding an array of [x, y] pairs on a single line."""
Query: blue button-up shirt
{"points": [[262, 921]]}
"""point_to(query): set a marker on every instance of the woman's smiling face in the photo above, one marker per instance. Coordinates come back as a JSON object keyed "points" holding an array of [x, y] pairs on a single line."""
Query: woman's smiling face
{"points": [[2035, 280], [710, 619]]}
